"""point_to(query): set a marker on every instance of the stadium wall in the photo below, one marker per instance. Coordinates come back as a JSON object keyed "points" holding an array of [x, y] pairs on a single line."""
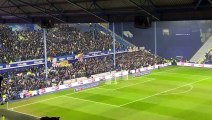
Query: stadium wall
{"points": [[174, 38]]}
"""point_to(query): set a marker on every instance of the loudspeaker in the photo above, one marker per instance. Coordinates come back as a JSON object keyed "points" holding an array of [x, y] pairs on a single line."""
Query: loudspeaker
{"points": [[142, 22], [47, 23]]}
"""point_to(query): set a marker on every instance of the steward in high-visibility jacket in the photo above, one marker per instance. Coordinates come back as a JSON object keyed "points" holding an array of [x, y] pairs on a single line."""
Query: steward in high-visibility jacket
{"points": [[4, 97], [2, 117]]}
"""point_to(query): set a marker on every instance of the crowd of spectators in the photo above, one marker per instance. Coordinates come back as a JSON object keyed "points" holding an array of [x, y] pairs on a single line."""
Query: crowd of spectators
{"points": [[208, 57], [33, 79], [137, 59], [61, 40], [27, 79]]}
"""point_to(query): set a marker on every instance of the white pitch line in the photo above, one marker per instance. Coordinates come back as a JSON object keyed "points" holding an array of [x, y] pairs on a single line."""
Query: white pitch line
{"points": [[91, 101], [69, 94], [36, 102], [169, 70], [53, 98], [23, 113], [162, 92], [171, 73], [50, 99], [186, 91], [151, 79], [187, 74], [134, 84], [165, 71]]}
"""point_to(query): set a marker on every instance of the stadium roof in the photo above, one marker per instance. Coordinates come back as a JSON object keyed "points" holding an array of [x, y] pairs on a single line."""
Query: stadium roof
{"points": [[63, 11]]}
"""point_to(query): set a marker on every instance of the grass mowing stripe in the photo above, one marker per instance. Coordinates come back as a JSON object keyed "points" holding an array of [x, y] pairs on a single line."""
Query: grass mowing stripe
{"points": [[187, 74], [91, 101], [171, 69], [23, 113], [182, 92], [71, 94], [190, 84], [163, 92], [151, 79], [37, 102], [53, 98], [78, 92]]}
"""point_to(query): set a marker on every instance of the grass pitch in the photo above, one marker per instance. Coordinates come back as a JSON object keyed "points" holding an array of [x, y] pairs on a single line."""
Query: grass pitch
{"points": [[172, 93]]}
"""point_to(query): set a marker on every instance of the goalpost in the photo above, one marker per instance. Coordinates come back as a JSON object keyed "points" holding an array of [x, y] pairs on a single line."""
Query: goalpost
{"points": [[114, 77]]}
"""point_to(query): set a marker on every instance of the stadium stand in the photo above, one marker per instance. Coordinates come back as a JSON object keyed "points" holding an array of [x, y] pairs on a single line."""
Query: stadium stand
{"points": [[33, 63], [208, 57], [28, 45]]}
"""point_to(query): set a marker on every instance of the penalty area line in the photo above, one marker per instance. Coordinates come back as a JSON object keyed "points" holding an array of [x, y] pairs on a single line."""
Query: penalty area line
{"points": [[100, 87], [91, 101], [109, 90], [176, 93], [162, 92], [150, 79]]}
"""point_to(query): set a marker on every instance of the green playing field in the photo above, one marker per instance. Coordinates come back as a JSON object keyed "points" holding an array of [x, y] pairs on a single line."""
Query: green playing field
{"points": [[172, 93]]}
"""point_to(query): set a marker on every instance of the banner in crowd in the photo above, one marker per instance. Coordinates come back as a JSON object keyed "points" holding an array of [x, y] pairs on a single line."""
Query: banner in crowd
{"points": [[62, 58], [102, 53], [17, 65], [54, 61]]}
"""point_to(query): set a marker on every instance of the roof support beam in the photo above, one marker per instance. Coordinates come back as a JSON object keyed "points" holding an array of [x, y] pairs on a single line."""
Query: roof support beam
{"points": [[140, 7], [53, 5], [95, 4], [58, 11], [91, 13], [37, 8], [152, 3], [46, 3], [198, 3], [21, 18], [26, 14]]}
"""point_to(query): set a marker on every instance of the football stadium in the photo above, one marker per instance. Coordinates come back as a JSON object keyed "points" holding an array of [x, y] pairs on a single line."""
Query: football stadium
{"points": [[105, 60]]}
